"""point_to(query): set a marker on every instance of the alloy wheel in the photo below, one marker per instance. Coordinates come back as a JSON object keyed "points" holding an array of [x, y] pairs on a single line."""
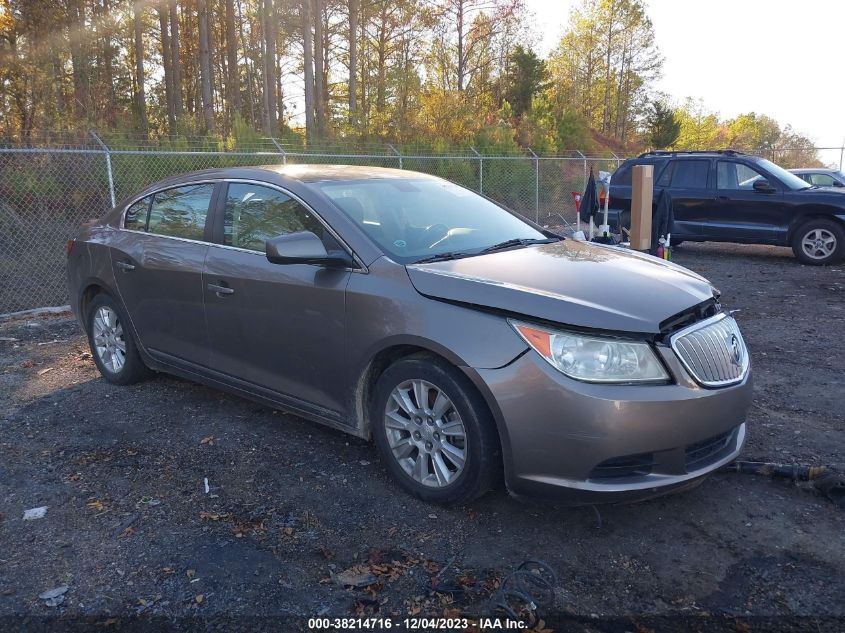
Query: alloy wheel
{"points": [[108, 339], [818, 244], [425, 433]]}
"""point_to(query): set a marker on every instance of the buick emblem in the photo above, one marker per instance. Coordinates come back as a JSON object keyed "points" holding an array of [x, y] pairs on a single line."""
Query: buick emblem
{"points": [[736, 350]]}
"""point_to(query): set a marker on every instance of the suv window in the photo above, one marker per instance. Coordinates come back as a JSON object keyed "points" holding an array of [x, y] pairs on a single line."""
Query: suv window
{"points": [[690, 174], [255, 214], [181, 211], [624, 174], [136, 215], [822, 180], [736, 176]]}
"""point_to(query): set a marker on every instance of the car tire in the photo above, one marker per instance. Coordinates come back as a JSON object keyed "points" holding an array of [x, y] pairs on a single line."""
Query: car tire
{"points": [[819, 242], [446, 451], [112, 346]]}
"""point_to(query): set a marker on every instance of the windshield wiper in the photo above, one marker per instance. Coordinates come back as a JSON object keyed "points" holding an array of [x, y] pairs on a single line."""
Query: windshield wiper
{"points": [[441, 257], [518, 241]]}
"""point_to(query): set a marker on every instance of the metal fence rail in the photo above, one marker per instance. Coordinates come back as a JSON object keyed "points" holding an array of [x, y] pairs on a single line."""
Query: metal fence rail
{"points": [[46, 193]]}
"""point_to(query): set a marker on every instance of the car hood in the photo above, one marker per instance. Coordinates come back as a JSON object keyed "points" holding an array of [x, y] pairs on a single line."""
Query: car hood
{"points": [[834, 190], [568, 282]]}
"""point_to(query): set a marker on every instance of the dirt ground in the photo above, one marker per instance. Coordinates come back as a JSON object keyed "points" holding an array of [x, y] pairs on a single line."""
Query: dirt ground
{"points": [[292, 508]]}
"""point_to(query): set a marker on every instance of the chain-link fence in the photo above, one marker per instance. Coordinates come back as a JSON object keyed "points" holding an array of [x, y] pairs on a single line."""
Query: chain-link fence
{"points": [[46, 193]]}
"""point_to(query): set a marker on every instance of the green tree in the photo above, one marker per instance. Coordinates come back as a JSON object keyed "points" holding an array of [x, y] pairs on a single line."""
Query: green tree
{"points": [[662, 126], [525, 77]]}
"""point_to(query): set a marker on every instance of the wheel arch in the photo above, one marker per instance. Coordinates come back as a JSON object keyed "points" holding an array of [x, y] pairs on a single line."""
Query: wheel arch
{"points": [[808, 214], [393, 352], [90, 289]]}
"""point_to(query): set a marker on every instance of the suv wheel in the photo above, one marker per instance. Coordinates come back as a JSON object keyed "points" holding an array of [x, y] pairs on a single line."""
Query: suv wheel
{"points": [[434, 432], [112, 346], [819, 242]]}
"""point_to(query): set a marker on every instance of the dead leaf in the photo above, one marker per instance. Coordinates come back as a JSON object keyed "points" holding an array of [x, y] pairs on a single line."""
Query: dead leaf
{"points": [[190, 573], [41, 372], [288, 531], [199, 598], [208, 440], [96, 505], [354, 577]]}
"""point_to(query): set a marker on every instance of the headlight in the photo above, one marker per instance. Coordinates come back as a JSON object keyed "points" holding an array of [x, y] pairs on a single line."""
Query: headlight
{"points": [[591, 358]]}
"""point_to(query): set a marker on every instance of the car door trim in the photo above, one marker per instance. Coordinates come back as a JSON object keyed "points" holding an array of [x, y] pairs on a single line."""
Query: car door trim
{"points": [[285, 401]]}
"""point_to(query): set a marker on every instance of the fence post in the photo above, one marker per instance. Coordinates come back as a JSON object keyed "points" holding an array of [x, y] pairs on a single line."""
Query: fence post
{"points": [[536, 186], [618, 160], [282, 150], [105, 149], [398, 154], [584, 158], [841, 151], [480, 169]]}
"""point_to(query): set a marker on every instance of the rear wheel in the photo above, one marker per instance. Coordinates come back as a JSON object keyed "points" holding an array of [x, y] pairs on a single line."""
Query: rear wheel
{"points": [[112, 346], [819, 242], [434, 432]]}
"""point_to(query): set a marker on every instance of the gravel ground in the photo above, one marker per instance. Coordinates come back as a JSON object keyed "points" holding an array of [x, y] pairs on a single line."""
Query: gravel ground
{"points": [[293, 509]]}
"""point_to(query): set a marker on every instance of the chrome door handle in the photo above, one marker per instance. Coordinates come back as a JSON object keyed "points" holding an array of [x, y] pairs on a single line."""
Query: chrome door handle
{"points": [[221, 290], [125, 266]]}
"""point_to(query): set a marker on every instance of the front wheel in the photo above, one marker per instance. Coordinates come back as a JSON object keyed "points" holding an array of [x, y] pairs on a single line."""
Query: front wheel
{"points": [[819, 242], [434, 432]]}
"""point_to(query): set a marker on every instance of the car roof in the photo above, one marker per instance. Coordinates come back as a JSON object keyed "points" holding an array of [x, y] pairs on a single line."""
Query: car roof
{"points": [[813, 170], [300, 173], [660, 153]]}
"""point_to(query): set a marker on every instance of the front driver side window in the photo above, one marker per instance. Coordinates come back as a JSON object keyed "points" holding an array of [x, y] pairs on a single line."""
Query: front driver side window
{"points": [[736, 176], [822, 180], [255, 214]]}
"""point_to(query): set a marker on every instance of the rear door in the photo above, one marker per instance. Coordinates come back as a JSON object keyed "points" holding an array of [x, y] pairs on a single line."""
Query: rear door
{"points": [[742, 213], [157, 259], [280, 327], [689, 182]]}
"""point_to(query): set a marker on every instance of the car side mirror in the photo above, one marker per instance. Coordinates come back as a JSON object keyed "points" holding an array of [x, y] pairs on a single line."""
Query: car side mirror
{"points": [[304, 247], [763, 186]]}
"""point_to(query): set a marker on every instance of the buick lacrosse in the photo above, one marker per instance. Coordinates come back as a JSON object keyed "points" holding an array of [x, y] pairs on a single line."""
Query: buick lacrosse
{"points": [[468, 343]]}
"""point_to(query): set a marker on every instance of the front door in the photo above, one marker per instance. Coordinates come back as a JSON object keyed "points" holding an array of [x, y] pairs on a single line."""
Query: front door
{"points": [[742, 213], [280, 327], [157, 258]]}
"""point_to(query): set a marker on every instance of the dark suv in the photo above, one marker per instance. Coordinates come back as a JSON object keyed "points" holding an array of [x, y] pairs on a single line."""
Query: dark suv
{"points": [[727, 196]]}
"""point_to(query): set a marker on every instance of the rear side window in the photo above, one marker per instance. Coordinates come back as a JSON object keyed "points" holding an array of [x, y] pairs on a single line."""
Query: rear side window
{"points": [[690, 174], [255, 214], [136, 215], [181, 211]]}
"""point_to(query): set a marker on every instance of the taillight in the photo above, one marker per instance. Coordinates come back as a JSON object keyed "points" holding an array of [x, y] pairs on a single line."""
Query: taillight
{"points": [[69, 248]]}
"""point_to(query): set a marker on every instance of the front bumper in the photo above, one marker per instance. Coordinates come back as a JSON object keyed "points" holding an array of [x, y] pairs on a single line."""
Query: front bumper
{"points": [[592, 442]]}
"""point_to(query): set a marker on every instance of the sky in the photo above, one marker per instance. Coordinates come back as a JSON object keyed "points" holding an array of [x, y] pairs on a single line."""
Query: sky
{"points": [[782, 59]]}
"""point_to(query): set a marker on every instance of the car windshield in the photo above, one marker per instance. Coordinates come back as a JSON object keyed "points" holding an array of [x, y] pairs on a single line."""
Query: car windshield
{"points": [[418, 219], [787, 178]]}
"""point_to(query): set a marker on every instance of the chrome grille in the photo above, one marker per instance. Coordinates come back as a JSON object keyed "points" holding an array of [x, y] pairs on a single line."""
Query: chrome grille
{"points": [[712, 351]]}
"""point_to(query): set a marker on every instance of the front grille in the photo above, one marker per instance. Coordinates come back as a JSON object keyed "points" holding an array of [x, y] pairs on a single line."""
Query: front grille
{"points": [[713, 351], [627, 466], [707, 451]]}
